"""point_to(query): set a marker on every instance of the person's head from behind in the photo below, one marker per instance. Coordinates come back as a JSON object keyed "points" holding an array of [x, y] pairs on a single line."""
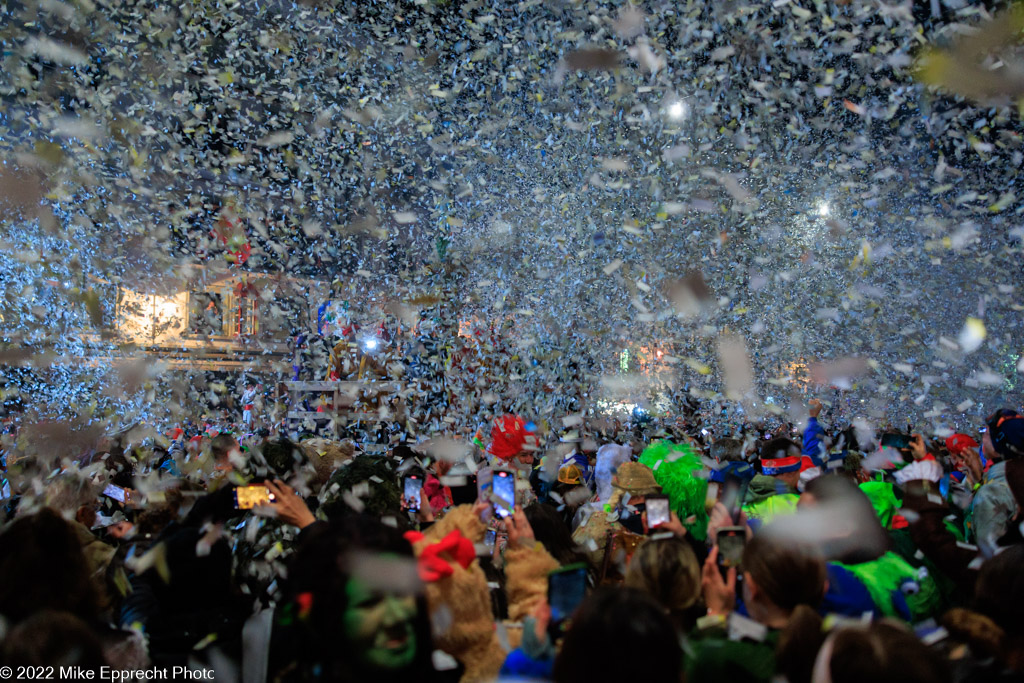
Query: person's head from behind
{"points": [[42, 567], [1004, 436], [372, 480], [837, 502], [53, 639], [619, 634], [282, 456], [225, 451], [353, 594], [668, 571], [781, 458], [780, 575], [402, 452], [551, 530], [727, 450], [883, 652]]}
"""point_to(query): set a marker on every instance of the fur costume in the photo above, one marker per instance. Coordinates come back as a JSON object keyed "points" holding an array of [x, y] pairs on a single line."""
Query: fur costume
{"points": [[461, 602]]}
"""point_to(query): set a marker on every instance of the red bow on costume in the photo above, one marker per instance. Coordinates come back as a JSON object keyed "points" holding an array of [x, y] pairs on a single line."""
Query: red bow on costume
{"points": [[432, 564]]}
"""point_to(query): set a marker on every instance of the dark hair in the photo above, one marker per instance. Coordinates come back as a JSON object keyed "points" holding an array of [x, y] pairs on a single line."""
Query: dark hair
{"points": [[282, 456], [52, 638], [999, 595], [789, 573], [314, 645], [550, 529], [221, 445], [402, 451], [619, 634], [384, 497], [883, 652], [119, 467], [465, 494], [42, 566], [792, 575], [779, 448], [994, 629], [727, 450]]}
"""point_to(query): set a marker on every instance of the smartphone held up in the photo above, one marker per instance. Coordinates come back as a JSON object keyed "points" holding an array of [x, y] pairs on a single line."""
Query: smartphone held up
{"points": [[412, 492], [658, 512], [567, 587], [498, 487], [731, 542], [248, 497]]}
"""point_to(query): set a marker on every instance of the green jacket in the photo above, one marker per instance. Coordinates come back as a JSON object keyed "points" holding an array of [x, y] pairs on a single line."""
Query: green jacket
{"points": [[768, 498], [713, 658], [763, 487], [770, 508]]}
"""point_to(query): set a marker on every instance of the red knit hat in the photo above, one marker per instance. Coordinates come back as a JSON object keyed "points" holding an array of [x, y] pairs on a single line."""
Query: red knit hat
{"points": [[958, 443], [509, 438]]}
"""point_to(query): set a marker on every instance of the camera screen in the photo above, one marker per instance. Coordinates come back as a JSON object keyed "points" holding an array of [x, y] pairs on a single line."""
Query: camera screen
{"points": [[413, 488], [504, 492], [248, 497]]}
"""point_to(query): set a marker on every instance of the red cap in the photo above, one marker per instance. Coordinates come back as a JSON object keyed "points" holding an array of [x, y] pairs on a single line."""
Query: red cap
{"points": [[958, 443]]}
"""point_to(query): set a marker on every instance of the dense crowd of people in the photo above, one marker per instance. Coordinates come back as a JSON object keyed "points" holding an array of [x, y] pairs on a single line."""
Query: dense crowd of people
{"points": [[792, 554]]}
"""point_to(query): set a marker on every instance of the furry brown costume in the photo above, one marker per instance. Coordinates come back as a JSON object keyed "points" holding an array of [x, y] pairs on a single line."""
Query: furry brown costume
{"points": [[462, 600]]}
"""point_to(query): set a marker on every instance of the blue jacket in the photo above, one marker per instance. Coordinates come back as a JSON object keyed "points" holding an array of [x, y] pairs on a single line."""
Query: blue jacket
{"points": [[521, 666], [813, 434], [846, 595]]}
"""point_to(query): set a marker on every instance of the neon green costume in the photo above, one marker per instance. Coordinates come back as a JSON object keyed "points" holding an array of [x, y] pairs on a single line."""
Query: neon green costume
{"points": [[770, 508], [680, 473], [883, 500], [891, 581]]}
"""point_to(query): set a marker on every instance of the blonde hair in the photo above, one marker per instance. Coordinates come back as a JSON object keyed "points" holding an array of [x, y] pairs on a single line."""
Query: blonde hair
{"points": [[667, 570]]}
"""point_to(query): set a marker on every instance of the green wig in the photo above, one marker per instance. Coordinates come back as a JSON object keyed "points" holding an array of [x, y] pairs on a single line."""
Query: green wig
{"points": [[683, 478]]}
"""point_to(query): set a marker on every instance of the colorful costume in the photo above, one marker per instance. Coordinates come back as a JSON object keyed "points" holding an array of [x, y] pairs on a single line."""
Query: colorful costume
{"points": [[458, 588], [678, 469], [898, 590], [768, 498]]}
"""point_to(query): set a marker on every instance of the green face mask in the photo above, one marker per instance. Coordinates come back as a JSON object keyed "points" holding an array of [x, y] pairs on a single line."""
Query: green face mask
{"points": [[380, 626]]}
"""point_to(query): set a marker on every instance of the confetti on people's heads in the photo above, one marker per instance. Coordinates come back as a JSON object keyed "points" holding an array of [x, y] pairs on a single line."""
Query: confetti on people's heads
{"points": [[567, 211]]}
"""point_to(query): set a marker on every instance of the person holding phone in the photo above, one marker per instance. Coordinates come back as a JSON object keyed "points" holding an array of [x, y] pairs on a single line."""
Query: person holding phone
{"points": [[626, 528], [457, 585], [514, 445], [783, 584]]}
